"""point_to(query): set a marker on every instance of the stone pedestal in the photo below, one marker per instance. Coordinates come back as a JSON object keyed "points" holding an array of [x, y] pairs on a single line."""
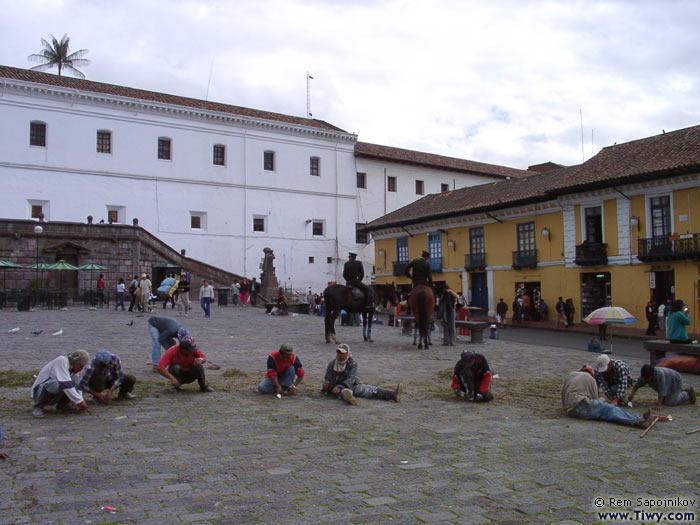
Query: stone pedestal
{"points": [[268, 279]]}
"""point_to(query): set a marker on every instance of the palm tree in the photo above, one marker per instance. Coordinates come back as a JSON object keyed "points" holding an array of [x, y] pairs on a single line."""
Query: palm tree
{"points": [[58, 54]]}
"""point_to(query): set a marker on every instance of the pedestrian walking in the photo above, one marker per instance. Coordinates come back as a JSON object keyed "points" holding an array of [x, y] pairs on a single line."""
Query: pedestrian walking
{"points": [[121, 290], [206, 296]]}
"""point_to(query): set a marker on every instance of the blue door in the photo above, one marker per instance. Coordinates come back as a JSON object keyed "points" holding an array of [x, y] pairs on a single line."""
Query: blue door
{"points": [[480, 292]]}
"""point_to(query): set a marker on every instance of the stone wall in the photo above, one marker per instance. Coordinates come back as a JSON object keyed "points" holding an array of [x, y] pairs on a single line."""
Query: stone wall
{"points": [[125, 250]]}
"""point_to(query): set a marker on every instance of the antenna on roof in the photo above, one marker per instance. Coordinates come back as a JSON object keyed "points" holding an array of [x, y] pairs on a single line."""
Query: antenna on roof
{"points": [[582, 154], [308, 95], [211, 70]]}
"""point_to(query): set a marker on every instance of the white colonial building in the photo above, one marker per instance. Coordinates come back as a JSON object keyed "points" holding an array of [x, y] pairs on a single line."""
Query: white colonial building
{"points": [[221, 181]]}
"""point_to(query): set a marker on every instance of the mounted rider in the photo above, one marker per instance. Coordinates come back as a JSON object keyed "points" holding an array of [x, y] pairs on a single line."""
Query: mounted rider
{"points": [[353, 273], [419, 270]]}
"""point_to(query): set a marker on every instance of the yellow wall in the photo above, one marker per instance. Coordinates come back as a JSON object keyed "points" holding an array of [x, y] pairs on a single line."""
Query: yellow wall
{"points": [[610, 226], [638, 209]]}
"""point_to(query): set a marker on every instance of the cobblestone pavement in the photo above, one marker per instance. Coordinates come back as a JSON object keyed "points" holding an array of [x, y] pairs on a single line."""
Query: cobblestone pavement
{"points": [[234, 456]]}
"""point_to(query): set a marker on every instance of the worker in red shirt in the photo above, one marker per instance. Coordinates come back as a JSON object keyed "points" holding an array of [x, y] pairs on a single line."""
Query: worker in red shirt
{"points": [[184, 363]]}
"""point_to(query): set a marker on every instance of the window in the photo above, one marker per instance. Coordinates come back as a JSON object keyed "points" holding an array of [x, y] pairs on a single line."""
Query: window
{"points": [[329, 260], [594, 224], [362, 180], [258, 224], [526, 237], [219, 155], [435, 249], [198, 220], [476, 240], [104, 142], [444, 188], [116, 214], [402, 249], [660, 208], [317, 228], [311, 260], [420, 190], [391, 184], [269, 161], [314, 163], [360, 233], [37, 134], [164, 149], [38, 210]]}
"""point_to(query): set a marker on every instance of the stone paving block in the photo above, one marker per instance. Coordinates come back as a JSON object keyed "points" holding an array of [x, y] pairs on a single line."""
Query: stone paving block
{"points": [[199, 516], [384, 500], [179, 487]]}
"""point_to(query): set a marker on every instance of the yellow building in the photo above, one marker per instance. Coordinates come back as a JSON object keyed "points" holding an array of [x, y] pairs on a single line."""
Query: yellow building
{"points": [[619, 229]]}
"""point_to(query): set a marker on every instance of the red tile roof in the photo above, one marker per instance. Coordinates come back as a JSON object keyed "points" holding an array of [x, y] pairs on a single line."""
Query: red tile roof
{"points": [[419, 158], [660, 156], [37, 77]]}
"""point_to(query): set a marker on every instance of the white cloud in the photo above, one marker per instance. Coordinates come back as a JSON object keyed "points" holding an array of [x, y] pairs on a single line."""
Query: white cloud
{"points": [[499, 82]]}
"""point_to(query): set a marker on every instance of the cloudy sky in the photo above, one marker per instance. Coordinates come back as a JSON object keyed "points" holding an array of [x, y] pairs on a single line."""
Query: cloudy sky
{"points": [[495, 81]]}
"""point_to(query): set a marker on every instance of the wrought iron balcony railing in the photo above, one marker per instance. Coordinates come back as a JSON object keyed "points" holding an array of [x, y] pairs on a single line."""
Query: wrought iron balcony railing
{"points": [[592, 254], [525, 259], [475, 261], [672, 248]]}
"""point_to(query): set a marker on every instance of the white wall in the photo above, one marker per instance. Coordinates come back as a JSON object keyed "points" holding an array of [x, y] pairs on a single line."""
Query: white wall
{"points": [[77, 181]]}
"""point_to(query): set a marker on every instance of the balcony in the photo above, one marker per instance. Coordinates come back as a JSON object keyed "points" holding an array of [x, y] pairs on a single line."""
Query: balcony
{"points": [[400, 267], [592, 254], [673, 248], [474, 261], [435, 264], [525, 259]]}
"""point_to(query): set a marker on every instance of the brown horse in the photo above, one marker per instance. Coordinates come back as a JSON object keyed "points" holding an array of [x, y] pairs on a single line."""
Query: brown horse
{"points": [[422, 303]]}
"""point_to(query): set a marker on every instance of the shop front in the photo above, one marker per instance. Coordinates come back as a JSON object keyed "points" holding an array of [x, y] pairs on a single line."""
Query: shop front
{"points": [[595, 291]]}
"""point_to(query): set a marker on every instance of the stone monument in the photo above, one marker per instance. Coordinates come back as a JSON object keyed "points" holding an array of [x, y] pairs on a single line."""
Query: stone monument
{"points": [[268, 279]]}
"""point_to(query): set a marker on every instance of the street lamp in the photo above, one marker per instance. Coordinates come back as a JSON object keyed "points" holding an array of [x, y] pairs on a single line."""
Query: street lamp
{"points": [[37, 230]]}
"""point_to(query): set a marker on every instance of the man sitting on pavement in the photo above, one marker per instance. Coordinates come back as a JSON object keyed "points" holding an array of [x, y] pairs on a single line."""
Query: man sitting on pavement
{"points": [[668, 385], [580, 399], [183, 363], [282, 368], [54, 384], [472, 376], [341, 380], [163, 331], [613, 376], [105, 373]]}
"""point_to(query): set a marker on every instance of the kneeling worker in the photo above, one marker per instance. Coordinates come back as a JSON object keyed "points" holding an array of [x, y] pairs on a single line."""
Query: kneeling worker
{"points": [[183, 363], [472, 376], [668, 385], [105, 373], [54, 384], [341, 380]]}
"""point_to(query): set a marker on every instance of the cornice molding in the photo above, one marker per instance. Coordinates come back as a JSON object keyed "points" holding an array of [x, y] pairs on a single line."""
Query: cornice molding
{"points": [[73, 96]]}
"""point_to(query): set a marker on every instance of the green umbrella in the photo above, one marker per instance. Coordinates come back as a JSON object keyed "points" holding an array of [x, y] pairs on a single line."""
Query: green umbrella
{"points": [[9, 264], [92, 266], [39, 266], [5, 265], [62, 265]]}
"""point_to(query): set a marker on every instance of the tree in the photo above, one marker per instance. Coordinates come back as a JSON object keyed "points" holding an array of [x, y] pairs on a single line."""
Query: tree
{"points": [[58, 54]]}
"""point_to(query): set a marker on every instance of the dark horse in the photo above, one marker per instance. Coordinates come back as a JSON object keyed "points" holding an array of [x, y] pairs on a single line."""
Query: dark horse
{"points": [[340, 297], [422, 303]]}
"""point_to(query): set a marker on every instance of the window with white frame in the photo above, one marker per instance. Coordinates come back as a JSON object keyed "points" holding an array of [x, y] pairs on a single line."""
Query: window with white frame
{"points": [[164, 148], [444, 187], [311, 260], [315, 166], [317, 228], [37, 134], [391, 183], [362, 180], [269, 161], [198, 220], [116, 214], [420, 187], [104, 141], [258, 224], [593, 224], [38, 209], [219, 155]]}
